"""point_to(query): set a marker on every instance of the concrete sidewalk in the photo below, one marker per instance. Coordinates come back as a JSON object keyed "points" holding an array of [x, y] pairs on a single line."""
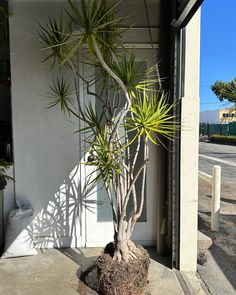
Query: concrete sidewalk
{"points": [[55, 272], [218, 274]]}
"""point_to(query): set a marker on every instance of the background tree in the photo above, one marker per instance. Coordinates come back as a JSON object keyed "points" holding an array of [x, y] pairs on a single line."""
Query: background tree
{"points": [[225, 90]]}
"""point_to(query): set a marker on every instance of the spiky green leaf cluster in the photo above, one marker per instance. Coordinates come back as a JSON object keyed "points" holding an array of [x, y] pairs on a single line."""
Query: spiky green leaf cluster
{"points": [[94, 121], [133, 74], [104, 158], [95, 18], [91, 19], [55, 36], [150, 115], [61, 93]]}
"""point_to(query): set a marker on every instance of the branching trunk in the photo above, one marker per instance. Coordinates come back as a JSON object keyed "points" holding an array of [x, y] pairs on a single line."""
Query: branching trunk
{"points": [[125, 110], [124, 248]]}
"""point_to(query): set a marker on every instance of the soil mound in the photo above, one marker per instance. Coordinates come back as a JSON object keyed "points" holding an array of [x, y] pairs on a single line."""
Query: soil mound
{"points": [[122, 278]]}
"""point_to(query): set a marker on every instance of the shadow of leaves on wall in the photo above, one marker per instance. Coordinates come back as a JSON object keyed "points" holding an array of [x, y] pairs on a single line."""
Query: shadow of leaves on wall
{"points": [[60, 223]]}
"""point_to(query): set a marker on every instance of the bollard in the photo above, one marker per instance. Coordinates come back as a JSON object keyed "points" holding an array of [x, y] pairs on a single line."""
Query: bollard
{"points": [[215, 202]]}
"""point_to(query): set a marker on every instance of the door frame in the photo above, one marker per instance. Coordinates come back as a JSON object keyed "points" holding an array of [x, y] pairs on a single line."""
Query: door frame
{"points": [[151, 208]]}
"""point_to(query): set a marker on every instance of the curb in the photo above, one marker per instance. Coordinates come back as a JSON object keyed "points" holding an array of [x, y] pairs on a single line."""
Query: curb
{"points": [[203, 241], [190, 283]]}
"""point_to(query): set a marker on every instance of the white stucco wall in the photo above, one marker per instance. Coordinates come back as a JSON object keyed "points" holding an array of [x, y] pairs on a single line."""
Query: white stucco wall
{"points": [[211, 116], [45, 149], [189, 149]]}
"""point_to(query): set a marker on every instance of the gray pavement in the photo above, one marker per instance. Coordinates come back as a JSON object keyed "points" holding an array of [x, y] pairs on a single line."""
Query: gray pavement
{"points": [[56, 271], [219, 272], [224, 153]]}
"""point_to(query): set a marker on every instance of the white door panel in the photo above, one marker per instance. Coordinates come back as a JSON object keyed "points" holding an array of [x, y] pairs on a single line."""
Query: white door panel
{"points": [[98, 219]]}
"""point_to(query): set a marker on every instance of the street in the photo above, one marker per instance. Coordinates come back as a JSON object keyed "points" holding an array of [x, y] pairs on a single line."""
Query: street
{"points": [[218, 154], [224, 155], [219, 272]]}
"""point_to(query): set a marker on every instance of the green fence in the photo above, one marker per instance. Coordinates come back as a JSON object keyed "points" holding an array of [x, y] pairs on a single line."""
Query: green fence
{"points": [[232, 128], [221, 129], [203, 129]]}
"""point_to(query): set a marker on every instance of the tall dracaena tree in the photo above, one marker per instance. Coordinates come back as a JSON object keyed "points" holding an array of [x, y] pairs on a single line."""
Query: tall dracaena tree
{"points": [[134, 111]]}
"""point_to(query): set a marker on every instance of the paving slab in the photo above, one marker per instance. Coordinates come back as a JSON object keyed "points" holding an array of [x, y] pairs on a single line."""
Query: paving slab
{"points": [[48, 273], [56, 271], [217, 274]]}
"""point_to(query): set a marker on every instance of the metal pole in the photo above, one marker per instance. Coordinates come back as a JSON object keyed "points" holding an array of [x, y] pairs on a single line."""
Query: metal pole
{"points": [[215, 205]]}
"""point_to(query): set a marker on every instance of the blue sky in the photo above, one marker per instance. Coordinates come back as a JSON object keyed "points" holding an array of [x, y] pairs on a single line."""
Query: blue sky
{"points": [[218, 49]]}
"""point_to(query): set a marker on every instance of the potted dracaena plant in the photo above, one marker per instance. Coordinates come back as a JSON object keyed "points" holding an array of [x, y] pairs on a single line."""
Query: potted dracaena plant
{"points": [[134, 113]]}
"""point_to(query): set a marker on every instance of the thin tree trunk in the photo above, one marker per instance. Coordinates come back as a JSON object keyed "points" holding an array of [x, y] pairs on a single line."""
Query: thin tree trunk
{"points": [[121, 242]]}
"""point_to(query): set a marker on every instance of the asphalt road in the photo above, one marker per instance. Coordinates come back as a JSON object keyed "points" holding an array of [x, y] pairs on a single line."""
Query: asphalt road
{"points": [[211, 154]]}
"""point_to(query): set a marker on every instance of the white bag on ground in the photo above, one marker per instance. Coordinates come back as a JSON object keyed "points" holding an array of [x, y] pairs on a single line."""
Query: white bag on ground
{"points": [[18, 238]]}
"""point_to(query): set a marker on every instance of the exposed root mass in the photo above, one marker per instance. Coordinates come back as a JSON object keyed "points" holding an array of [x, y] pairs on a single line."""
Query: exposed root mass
{"points": [[123, 278]]}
